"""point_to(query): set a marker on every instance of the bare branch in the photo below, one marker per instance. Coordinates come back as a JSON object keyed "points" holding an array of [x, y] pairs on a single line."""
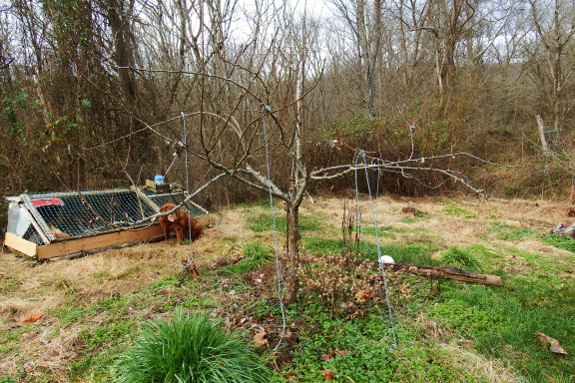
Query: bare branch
{"points": [[404, 167]]}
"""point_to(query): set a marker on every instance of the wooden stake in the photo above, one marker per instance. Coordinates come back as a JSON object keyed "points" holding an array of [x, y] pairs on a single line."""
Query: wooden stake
{"points": [[192, 269]]}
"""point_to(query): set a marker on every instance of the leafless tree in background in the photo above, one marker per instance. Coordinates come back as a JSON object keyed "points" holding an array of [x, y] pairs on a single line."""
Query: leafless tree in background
{"points": [[554, 27], [437, 76], [365, 21]]}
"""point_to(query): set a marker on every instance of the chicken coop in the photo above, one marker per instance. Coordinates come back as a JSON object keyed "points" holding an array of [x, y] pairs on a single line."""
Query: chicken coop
{"points": [[52, 224]]}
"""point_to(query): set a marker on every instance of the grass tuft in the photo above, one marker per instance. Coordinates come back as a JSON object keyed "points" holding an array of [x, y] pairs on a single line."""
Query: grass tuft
{"points": [[463, 259], [189, 348]]}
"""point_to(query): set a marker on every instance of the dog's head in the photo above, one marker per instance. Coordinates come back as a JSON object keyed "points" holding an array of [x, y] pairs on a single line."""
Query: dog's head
{"points": [[167, 207]]}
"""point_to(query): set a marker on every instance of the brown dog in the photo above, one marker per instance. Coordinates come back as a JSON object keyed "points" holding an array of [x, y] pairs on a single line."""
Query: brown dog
{"points": [[179, 222]]}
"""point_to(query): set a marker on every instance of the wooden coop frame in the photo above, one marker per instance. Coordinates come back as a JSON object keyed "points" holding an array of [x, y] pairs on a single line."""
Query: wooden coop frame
{"points": [[53, 224]]}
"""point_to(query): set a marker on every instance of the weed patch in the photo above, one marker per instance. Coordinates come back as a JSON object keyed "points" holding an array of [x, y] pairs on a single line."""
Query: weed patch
{"points": [[361, 350]]}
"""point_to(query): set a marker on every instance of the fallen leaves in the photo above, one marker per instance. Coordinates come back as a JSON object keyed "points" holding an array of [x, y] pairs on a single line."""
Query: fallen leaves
{"points": [[32, 318], [327, 357], [554, 344], [327, 376], [363, 296], [404, 288], [259, 339]]}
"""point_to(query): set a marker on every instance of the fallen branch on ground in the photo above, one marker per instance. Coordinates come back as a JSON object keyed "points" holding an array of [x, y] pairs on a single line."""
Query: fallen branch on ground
{"points": [[438, 272], [435, 272]]}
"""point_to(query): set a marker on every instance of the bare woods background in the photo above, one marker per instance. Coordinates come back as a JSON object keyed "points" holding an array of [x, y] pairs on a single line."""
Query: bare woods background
{"points": [[83, 80]]}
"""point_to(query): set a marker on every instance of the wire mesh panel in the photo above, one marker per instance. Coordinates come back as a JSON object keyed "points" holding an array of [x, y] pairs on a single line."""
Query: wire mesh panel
{"points": [[58, 216], [176, 198], [79, 214]]}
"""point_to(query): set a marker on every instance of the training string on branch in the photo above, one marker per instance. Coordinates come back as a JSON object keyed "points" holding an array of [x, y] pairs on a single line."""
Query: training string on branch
{"points": [[362, 156], [278, 271]]}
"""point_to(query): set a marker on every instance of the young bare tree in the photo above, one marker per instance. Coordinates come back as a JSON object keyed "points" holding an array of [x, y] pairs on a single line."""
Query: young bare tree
{"points": [[365, 19], [554, 26]]}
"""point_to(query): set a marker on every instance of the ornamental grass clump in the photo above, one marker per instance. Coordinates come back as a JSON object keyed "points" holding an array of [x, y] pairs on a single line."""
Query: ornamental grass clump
{"points": [[189, 348]]}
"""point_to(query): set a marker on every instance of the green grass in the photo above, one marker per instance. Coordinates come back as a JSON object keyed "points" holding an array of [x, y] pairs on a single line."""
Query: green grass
{"points": [[69, 315], [462, 259], [169, 282], [456, 210], [264, 222], [409, 253], [564, 242], [256, 255], [324, 246], [511, 233], [498, 323], [10, 336], [187, 348], [412, 253], [110, 334], [390, 229], [502, 321], [383, 231]]}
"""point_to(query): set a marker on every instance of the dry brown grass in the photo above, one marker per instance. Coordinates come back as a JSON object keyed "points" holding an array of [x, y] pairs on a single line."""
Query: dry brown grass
{"points": [[493, 371], [461, 353], [47, 348]]}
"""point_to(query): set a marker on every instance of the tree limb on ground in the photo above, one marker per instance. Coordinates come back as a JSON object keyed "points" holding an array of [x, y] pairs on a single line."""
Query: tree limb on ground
{"points": [[437, 272]]}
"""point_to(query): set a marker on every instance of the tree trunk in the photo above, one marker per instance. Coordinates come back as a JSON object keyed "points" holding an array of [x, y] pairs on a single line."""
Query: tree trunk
{"points": [[294, 237], [541, 127]]}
